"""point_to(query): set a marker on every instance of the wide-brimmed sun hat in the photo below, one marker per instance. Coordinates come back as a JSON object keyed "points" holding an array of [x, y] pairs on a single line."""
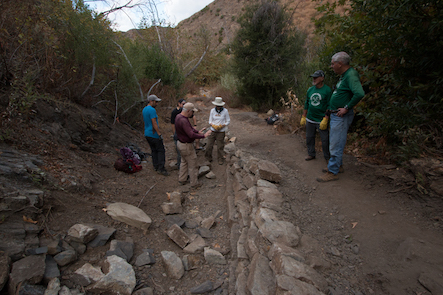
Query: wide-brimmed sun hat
{"points": [[218, 101]]}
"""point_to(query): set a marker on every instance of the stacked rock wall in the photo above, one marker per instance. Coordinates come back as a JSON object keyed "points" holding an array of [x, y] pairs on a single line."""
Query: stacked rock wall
{"points": [[265, 259]]}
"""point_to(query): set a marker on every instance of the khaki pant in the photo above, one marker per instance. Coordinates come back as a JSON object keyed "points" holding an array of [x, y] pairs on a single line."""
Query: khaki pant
{"points": [[219, 139], [188, 165]]}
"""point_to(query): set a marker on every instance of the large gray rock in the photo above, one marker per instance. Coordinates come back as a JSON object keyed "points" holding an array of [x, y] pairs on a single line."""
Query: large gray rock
{"points": [[103, 236], [123, 249], [197, 245], [174, 265], [129, 214], [13, 239], [213, 256], [286, 265], [176, 234], [203, 288], [147, 257], [278, 249], [269, 198], [53, 287], [261, 280], [51, 269], [30, 269], [120, 278], [172, 208], [295, 287], [269, 171], [5, 263], [87, 274], [275, 230], [65, 257], [229, 148], [82, 233]]}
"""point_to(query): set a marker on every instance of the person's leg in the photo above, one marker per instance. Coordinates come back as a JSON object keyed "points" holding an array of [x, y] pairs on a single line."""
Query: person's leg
{"points": [[161, 156], [192, 166], [183, 172], [324, 136], [310, 138], [220, 138], [337, 140], [210, 145], [178, 152], [154, 152]]}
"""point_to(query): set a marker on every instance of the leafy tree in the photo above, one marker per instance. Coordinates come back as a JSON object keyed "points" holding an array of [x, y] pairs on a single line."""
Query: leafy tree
{"points": [[399, 45], [267, 50]]}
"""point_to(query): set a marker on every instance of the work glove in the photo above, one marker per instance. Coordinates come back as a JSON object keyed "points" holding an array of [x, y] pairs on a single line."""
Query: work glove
{"points": [[160, 137], [324, 124], [303, 121]]}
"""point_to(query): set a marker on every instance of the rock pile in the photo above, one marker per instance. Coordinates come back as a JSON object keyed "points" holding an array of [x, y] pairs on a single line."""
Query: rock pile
{"points": [[265, 255]]}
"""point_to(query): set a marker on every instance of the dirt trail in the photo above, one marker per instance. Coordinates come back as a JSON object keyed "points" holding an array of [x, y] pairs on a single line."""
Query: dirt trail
{"points": [[378, 238], [363, 233]]}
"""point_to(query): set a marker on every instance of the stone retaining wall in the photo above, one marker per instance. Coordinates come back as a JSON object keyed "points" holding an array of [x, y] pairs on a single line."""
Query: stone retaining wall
{"points": [[265, 259]]}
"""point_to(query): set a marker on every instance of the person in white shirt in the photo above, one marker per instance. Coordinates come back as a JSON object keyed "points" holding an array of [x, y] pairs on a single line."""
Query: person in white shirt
{"points": [[219, 121]]}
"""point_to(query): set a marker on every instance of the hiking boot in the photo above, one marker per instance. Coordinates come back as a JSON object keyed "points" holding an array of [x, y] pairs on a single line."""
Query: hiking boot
{"points": [[340, 170], [328, 176], [163, 172], [309, 158], [197, 186]]}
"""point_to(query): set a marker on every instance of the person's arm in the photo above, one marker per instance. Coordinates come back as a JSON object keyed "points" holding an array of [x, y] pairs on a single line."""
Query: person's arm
{"points": [[228, 119], [155, 126], [173, 128], [358, 94]]}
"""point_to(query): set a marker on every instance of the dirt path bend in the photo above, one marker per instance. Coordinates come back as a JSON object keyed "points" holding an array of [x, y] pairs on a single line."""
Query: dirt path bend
{"points": [[376, 237]]}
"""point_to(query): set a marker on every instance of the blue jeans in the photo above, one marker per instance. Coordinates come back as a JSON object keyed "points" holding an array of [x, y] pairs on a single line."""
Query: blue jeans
{"points": [[337, 139], [157, 153]]}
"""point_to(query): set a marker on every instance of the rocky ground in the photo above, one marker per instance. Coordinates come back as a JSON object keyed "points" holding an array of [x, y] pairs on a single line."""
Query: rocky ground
{"points": [[377, 230]]}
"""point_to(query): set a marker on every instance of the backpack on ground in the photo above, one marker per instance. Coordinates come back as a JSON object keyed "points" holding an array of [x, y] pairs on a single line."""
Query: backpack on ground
{"points": [[129, 162], [272, 119]]}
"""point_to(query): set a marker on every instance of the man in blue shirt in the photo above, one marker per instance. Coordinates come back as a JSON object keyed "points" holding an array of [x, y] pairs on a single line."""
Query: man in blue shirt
{"points": [[153, 135]]}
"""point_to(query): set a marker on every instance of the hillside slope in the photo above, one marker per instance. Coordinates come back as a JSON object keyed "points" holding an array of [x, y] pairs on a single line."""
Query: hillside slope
{"points": [[220, 19]]}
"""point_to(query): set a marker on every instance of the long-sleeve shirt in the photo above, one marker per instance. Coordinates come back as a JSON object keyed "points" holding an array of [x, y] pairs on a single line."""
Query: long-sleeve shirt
{"points": [[349, 91], [184, 130], [222, 118]]}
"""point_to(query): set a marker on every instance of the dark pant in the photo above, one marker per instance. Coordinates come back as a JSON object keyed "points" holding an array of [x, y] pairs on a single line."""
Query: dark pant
{"points": [[157, 152], [219, 139], [310, 139]]}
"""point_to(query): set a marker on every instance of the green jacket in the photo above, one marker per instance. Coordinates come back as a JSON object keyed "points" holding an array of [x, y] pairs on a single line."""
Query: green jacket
{"points": [[348, 91], [317, 101]]}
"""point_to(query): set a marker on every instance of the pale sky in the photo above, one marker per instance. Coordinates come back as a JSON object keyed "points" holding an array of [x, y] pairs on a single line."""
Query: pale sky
{"points": [[170, 11]]}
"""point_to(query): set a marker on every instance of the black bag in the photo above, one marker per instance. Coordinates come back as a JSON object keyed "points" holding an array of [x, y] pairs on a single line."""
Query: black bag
{"points": [[272, 119]]}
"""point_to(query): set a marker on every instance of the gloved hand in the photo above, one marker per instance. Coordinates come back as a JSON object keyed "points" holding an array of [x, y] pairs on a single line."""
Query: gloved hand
{"points": [[324, 123], [303, 121], [160, 137]]}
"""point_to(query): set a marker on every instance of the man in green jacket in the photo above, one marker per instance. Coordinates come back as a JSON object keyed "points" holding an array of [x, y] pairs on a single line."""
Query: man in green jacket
{"points": [[314, 115], [347, 94]]}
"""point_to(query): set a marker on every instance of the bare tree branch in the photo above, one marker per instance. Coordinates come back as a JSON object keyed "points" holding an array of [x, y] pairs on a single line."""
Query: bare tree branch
{"points": [[129, 62], [104, 88], [137, 102], [198, 63], [115, 8], [92, 80]]}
